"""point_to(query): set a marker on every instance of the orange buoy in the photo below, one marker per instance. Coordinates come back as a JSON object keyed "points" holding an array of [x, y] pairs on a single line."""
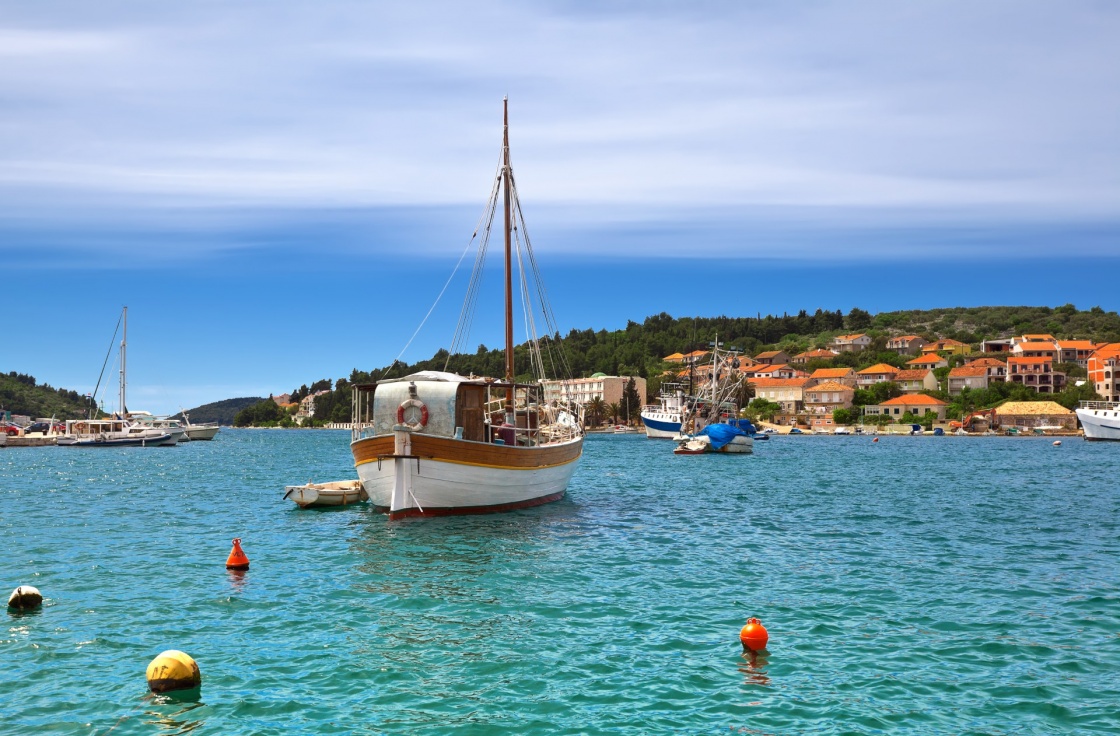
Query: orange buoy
{"points": [[237, 559], [753, 635]]}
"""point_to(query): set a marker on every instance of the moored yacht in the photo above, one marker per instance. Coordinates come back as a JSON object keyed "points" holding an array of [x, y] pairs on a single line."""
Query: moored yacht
{"points": [[1100, 419]]}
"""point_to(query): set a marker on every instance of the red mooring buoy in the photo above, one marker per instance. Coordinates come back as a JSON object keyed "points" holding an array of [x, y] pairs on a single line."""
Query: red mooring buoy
{"points": [[753, 635], [237, 559]]}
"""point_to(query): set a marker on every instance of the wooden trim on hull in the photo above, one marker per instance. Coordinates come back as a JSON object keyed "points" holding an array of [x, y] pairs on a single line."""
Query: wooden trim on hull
{"points": [[468, 453], [468, 510]]}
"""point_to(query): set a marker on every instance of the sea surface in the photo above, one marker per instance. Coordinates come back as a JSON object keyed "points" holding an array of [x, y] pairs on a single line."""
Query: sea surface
{"points": [[917, 585]]}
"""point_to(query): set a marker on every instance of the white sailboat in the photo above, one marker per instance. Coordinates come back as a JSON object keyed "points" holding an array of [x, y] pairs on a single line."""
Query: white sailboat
{"points": [[121, 430], [437, 443]]}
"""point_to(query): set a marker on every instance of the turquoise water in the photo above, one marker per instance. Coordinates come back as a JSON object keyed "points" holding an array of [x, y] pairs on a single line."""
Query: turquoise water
{"points": [[912, 586]]}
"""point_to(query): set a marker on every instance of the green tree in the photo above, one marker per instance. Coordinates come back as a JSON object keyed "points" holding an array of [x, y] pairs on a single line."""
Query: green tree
{"points": [[631, 401]]}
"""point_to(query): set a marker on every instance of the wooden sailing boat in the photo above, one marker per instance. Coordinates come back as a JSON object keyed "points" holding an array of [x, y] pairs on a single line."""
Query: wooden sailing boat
{"points": [[436, 443]]}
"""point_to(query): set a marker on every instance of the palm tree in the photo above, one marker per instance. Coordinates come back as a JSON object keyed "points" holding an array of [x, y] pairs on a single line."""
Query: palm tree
{"points": [[595, 410], [614, 409]]}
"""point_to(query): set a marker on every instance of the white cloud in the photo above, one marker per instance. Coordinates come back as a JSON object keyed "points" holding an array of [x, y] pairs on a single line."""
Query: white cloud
{"points": [[644, 108]]}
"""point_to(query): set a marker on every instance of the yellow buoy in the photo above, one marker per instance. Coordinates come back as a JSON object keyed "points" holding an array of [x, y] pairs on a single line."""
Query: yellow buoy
{"points": [[25, 598], [173, 670]]}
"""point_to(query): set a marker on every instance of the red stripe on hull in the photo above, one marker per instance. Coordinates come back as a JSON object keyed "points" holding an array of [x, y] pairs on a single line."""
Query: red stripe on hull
{"points": [[465, 510]]}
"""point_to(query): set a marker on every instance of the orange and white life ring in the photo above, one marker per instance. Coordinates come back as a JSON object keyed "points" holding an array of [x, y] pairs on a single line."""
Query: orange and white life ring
{"points": [[410, 404]]}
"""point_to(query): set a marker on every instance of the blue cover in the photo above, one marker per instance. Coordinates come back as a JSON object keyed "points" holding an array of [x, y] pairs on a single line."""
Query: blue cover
{"points": [[721, 434]]}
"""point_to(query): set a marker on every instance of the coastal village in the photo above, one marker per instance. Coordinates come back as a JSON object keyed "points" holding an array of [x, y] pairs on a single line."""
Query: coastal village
{"points": [[805, 392]]}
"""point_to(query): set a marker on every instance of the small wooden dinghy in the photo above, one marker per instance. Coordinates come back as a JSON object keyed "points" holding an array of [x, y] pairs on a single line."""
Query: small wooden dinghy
{"points": [[334, 493]]}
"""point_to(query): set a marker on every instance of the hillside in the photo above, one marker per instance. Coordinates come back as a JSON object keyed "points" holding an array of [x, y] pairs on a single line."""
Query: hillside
{"points": [[22, 394], [221, 412]]}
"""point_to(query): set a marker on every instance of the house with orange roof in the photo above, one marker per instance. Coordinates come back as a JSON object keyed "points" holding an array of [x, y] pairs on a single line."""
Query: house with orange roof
{"points": [[674, 358], [1075, 351], [974, 377], [789, 392], [915, 404], [1104, 371], [877, 373], [1035, 349], [818, 354], [778, 371], [997, 369], [916, 380], [850, 343], [928, 360], [906, 344], [772, 357], [1038, 337], [954, 347], [824, 398], [1036, 372], [846, 376]]}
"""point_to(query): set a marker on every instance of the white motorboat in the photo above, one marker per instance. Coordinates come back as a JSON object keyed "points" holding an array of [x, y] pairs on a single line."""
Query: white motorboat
{"points": [[200, 431], [1100, 419], [334, 493], [435, 443]]}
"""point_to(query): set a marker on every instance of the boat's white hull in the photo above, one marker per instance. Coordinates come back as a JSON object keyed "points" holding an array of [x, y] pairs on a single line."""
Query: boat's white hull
{"points": [[457, 477], [662, 425], [195, 433], [1100, 424]]}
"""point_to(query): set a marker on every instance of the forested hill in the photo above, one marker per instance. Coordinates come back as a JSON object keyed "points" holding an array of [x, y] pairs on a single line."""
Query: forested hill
{"points": [[640, 347], [221, 412], [22, 394]]}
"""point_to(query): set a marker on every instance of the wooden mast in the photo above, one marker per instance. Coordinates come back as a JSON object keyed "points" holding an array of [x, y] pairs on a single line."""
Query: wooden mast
{"points": [[509, 260]]}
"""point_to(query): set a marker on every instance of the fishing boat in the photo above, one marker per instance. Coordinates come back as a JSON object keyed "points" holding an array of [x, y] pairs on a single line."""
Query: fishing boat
{"points": [[438, 443], [663, 419], [1100, 419], [333, 493], [121, 429], [712, 424]]}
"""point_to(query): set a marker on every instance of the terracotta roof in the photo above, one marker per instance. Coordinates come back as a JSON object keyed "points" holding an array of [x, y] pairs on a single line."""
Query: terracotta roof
{"points": [[696, 353], [778, 382], [1031, 360], [674, 356], [926, 360], [878, 368], [917, 374], [850, 337], [1107, 350], [819, 353], [1035, 337], [914, 400], [1076, 344], [771, 368], [832, 372], [1015, 408], [907, 337], [1037, 346], [831, 386], [767, 354], [968, 371], [987, 363]]}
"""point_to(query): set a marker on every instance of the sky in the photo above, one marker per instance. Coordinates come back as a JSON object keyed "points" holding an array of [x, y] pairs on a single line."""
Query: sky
{"points": [[280, 191]]}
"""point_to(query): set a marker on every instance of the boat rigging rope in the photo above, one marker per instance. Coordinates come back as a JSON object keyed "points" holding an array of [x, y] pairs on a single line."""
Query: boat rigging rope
{"points": [[441, 292]]}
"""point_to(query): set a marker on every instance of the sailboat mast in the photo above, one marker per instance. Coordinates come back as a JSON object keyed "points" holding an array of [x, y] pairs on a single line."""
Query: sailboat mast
{"points": [[124, 342], [509, 254]]}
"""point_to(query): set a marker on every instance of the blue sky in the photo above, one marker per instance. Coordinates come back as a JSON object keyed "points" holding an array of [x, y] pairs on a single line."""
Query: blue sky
{"points": [[278, 191]]}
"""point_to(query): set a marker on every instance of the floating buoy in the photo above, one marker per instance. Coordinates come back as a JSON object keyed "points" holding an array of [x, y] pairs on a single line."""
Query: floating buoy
{"points": [[173, 670], [25, 598], [237, 559], [753, 635], [875, 440], [1057, 443]]}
